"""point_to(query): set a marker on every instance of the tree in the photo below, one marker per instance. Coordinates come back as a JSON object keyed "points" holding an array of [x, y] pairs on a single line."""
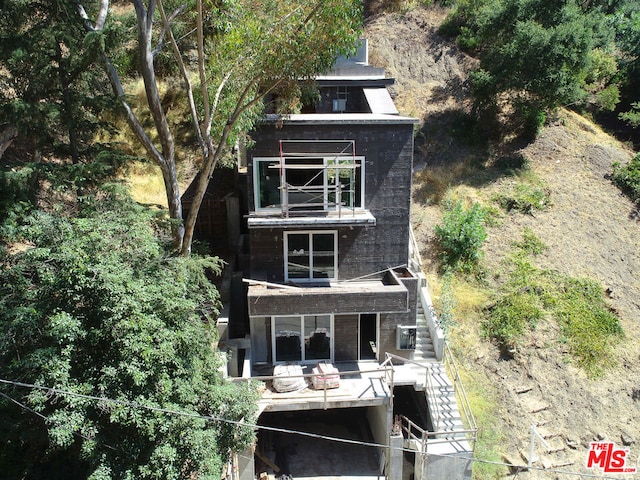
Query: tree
{"points": [[245, 51], [536, 55], [627, 23], [52, 92], [95, 305]]}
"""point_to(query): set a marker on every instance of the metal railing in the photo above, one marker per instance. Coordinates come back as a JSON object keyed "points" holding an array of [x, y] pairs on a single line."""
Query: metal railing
{"points": [[423, 437], [467, 432], [461, 395], [385, 372], [432, 399], [415, 259]]}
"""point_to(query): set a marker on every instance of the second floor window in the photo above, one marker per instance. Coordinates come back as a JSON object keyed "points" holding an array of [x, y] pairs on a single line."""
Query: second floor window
{"points": [[311, 256], [308, 183]]}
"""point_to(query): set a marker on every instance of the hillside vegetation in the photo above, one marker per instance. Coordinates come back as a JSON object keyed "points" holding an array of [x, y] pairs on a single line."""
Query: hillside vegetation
{"points": [[567, 224]]}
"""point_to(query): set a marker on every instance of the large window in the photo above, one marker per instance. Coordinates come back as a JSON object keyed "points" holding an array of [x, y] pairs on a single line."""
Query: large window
{"points": [[302, 338], [311, 256], [308, 183]]}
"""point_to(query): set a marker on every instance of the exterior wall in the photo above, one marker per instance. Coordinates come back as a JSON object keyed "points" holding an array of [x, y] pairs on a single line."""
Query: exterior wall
{"points": [[346, 338], [388, 150], [389, 322], [380, 420], [321, 300]]}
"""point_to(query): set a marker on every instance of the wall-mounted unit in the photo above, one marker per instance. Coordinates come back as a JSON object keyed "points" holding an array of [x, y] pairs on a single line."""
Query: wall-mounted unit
{"points": [[339, 104], [406, 337]]}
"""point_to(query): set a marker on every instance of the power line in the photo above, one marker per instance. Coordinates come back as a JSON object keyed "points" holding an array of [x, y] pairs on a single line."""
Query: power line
{"points": [[242, 423], [47, 419]]}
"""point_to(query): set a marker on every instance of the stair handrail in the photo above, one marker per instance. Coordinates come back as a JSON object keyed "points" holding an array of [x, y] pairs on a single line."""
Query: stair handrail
{"points": [[432, 398], [464, 406], [414, 251]]}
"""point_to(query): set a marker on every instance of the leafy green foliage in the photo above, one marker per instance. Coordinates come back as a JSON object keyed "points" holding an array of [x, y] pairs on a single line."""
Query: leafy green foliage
{"points": [[632, 117], [626, 23], [53, 91], [524, 197], [587, 323], [531, 295], [627, 177], [96, 306], [461, 235], [530, 244], [533, 54], [513, 315]]}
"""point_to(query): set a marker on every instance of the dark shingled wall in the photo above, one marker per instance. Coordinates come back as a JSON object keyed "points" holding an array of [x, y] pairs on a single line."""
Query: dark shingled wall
{"points": [[387, 149]]}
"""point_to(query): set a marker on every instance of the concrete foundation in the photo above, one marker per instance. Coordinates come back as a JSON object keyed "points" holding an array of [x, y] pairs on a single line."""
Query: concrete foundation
{"points": [[245, 465], [443, 466]]}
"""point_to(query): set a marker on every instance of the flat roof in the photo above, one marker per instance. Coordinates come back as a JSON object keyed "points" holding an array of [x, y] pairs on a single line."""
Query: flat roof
{"points": [[339, 119]]}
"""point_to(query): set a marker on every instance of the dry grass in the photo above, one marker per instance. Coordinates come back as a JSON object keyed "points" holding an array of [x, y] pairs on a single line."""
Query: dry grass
{"points": [[146, 185]]}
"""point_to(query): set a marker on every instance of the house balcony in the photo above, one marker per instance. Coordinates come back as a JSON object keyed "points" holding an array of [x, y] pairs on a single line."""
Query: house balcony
{"points": [[387, 295], [312, 219], [312, 206]]}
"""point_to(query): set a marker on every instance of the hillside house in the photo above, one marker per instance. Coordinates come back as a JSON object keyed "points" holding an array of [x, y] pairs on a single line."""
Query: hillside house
{"points": [[325, 276]]}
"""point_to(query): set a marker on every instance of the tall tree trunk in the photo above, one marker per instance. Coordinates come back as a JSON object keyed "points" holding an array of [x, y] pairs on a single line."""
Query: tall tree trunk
{"points": [[7, 136], [67, 102], [166, 160]]}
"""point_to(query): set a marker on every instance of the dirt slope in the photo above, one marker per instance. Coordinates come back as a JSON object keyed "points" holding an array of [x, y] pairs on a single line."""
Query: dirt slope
{"points": [[591, 230]]}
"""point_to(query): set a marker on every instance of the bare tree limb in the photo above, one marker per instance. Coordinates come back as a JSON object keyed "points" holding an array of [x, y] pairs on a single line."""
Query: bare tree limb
{"points": [[201, 59], [166, 25], [183, 69]]}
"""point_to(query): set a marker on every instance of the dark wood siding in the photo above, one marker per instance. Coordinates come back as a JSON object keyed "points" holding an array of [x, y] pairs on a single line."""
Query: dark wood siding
{"points": [[387, 149], [346, 338]]}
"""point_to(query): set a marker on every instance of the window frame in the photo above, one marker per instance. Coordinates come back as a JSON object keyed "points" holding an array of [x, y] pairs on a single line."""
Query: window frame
{"points": [[310, 278], [329, 163], [303, 348]]}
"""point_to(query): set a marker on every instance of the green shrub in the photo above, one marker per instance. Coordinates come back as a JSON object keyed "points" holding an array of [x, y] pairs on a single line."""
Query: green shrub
{"points": [[511, 316], [461, 236], [627, 178], [530, 243], [524, 198], [467, 40], [586, 323]]}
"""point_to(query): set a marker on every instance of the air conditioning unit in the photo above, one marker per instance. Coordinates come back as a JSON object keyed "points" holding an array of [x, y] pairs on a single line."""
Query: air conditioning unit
{"points": [[339, 104], [406, 337]]}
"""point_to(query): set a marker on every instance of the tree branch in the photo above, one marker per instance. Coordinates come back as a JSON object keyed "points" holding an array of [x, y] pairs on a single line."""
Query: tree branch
{"points": [[201, 70], [166, 25], [185, 75]]}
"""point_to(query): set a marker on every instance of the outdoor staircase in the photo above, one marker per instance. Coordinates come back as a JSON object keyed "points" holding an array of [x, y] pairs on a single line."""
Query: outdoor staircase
{"points": [[435, 382], [446, 416], [424, 345]]}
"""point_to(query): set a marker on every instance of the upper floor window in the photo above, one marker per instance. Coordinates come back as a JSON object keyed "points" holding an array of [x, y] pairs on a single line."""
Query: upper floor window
{"points": [[299, 184], [311, 256]]}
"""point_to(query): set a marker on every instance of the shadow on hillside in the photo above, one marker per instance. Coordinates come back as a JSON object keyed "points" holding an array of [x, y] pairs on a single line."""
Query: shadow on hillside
{"points": [[452, 149]]}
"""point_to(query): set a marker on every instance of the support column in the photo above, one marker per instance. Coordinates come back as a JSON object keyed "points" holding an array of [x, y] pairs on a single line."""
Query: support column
{"points": [[394, 470]]}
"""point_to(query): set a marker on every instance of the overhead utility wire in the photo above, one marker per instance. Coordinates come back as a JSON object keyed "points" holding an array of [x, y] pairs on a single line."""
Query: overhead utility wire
{"points": [[47, 419], [293, 432]]}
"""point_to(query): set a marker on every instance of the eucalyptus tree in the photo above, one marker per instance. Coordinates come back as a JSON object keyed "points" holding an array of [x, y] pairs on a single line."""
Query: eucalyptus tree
{"points": [[245, 50]]}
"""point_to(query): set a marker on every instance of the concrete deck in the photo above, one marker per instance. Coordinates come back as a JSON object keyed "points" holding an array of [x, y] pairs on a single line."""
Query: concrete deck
{"points": [[363, 389]]}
